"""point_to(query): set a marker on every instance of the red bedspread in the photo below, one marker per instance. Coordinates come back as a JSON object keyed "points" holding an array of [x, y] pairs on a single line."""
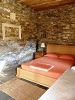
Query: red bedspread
{"points": [[60, 65]]}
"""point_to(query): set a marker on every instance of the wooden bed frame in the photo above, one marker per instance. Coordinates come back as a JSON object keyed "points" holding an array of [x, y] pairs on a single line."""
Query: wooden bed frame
{"points": [[41, 79]]}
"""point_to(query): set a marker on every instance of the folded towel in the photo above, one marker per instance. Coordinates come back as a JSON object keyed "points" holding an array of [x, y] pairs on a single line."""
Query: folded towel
{"points": [[41, 66]]}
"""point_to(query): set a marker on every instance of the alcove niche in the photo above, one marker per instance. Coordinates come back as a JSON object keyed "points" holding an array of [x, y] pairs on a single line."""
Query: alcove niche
{"points": [[11, 31]]}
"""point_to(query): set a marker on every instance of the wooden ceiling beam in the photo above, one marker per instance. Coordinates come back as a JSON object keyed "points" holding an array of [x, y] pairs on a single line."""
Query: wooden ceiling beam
{"points": [[36, 2], [41, 8], [53, 3], [45, 4], [19, 1]]}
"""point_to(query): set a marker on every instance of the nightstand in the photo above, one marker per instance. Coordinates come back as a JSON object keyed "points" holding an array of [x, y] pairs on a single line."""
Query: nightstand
{"points": [[39, 54]]}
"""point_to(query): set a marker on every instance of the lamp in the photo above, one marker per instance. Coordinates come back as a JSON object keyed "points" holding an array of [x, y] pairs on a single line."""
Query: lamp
{"points": [[42, 46]]}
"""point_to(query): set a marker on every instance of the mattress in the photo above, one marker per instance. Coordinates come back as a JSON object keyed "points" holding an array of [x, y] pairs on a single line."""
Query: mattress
{"points": [[60, 65]]}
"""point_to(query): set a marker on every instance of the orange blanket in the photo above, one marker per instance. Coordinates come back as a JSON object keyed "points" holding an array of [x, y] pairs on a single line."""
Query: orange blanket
{"points": [[60, 65]]}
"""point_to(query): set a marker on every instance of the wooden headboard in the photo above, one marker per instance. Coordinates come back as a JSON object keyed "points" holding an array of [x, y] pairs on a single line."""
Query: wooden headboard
{"points": [[60, 49]]}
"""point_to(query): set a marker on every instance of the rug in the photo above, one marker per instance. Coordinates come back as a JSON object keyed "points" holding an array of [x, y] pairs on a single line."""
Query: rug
{"points": [[21, 90]]}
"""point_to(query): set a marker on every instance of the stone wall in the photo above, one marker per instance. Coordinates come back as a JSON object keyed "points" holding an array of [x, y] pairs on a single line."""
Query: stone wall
{"points": [[51, 26], [58, 25], [24, 16]]}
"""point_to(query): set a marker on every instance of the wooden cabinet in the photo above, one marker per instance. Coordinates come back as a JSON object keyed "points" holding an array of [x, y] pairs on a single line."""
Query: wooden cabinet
{"points": [[39, 54]]}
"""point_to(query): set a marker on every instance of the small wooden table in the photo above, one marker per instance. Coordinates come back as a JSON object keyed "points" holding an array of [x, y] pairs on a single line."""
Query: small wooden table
{"points": [[39, 54], [62, 89]]}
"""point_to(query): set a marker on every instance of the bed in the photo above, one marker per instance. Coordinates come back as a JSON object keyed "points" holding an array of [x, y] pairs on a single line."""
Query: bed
{"points": [[13, 53], [58, 59]]}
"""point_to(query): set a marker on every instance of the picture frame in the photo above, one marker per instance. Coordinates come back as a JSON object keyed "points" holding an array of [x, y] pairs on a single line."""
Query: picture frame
{"points": [[11, 31]]}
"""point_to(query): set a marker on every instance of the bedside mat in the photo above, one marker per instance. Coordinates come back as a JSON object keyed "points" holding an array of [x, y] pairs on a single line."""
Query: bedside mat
{"points": [[21, 90]]}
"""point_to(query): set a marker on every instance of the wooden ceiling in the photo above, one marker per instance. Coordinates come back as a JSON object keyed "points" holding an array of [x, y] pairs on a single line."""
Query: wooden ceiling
{"points": [[45, 4]]}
